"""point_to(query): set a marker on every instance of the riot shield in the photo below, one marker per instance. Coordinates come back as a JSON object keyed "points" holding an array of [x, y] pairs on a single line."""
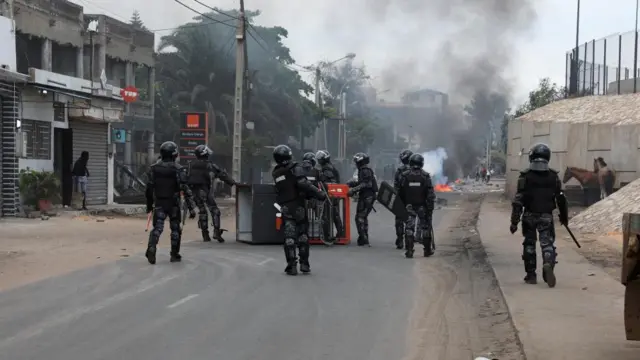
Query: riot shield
{"points": [[389, 199]]}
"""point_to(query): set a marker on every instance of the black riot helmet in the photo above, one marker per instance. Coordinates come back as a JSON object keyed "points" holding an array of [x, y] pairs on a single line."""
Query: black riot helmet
{"points": [[539, 156], [416, 161], [168, 151], [310, 157], [361, 159], [323, 157], [202, 152], [282, 154], [405, 155]]}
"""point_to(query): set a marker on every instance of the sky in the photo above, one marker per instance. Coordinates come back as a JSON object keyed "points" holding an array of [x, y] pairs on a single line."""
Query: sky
{"points": [[408, 44]]}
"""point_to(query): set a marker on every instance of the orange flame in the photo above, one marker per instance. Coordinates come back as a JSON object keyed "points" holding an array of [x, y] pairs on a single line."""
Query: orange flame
{"points": [[442, 188]]}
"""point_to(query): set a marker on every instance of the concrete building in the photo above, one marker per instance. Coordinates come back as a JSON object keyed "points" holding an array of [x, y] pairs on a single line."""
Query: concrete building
{"points": [[74, 98], [579, 130], [11, 83]]}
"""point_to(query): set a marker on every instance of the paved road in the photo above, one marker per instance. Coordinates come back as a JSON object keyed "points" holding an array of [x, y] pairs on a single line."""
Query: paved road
{"points": [[225, 301]]}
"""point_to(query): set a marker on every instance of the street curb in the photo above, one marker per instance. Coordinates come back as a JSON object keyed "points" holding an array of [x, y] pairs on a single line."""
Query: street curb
{"points": [[476, 219]]}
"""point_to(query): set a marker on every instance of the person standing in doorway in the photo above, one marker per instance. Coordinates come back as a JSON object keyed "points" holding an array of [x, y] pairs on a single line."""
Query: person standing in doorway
{"points": [[80, 174]]}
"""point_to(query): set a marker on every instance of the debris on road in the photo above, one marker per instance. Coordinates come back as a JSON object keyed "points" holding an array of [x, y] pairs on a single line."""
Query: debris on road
{"points": [[605, 216]]}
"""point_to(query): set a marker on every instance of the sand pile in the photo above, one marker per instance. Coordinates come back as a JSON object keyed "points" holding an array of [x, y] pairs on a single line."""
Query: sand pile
{"points": [[605, 216]]}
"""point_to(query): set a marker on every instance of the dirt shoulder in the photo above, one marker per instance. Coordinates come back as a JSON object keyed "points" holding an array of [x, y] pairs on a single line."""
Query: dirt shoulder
{"points": [[33, 249], [460, 310]]}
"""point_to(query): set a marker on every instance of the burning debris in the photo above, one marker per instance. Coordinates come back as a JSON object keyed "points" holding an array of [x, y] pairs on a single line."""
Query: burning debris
{"points": [[443, 188]]}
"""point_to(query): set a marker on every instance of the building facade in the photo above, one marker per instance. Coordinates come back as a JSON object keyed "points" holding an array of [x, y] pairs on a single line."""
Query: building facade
{"points": [[75, 67], [11, 83]]}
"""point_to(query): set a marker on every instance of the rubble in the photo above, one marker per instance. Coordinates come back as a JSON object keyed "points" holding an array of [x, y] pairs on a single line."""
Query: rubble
{"points": [[605, 216]]}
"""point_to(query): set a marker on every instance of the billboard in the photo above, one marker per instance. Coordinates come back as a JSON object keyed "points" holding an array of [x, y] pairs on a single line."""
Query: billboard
{"points": [[194, 127]]}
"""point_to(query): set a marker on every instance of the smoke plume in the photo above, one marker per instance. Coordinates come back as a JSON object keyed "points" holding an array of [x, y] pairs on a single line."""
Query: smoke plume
{"points": [[457, 46], [434, 165]]}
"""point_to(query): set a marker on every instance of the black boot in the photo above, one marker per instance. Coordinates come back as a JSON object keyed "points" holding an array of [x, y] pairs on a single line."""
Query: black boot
{"points": [[151, 255], [547, 275], [217, 234], [175, 257], [304, 258], [205, 236], [292, 263], [175, 253], [428, 247], [531, 278], [399, 242], [365, 240], [408, 245]]}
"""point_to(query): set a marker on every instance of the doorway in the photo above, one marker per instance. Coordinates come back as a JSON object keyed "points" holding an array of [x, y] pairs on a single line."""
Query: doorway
{"points": [[63, 162]]}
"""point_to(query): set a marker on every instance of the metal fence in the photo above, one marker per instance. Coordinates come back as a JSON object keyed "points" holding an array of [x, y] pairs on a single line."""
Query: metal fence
{"points": [[604, 66]]}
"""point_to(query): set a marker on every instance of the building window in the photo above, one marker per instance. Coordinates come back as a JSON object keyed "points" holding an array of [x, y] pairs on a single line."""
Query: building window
{"points": [[37, 135], [59, 114]]}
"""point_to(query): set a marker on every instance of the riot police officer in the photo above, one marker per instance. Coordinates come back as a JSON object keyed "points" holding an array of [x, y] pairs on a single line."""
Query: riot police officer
{"points": [[329, 175], [539, 191], [416, 191], [202, 173], [166, 179], [292, 187], [366, 187], [397, 181], [309, 166]]}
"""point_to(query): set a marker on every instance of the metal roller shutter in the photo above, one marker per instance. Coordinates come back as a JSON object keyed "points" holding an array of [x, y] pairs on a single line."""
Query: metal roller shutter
{"points": [[93, 138], [8, 161]]}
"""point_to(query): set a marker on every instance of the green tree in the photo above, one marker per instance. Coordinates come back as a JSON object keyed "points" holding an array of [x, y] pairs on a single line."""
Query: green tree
{"points": [[196, 71], [546, 93], [136, 21], [361, 127]]}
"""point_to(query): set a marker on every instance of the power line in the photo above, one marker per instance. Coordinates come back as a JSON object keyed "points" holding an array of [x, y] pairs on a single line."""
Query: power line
{"points": [[288, 66], [186, 26], [216, 10], [203, 15]]}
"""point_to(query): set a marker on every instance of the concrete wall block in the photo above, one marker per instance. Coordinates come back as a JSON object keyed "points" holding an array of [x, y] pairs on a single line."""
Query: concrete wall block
{"points": [[576, 149], [599, 137], [624, 148], [541, 128], [559, 133]]}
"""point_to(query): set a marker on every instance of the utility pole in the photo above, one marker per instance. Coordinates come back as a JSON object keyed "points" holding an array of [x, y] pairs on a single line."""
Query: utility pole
{"points": [[635, 54], [240, 93], [316, 139]]}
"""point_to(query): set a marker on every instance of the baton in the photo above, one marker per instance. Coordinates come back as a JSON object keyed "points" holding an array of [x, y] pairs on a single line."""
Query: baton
{"points": [[572, 236], [148, 221]]}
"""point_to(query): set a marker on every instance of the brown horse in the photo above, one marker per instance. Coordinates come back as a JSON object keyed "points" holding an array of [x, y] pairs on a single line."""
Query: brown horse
{"points": [[586, 178], [606, 177]]}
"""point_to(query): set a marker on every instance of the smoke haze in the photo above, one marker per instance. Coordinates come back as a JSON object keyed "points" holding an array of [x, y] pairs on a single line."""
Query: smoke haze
{"points": [[434, 165]]}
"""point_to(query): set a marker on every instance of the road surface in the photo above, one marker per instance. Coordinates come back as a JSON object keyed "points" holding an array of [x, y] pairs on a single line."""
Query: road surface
{"points": [[233, 302]]}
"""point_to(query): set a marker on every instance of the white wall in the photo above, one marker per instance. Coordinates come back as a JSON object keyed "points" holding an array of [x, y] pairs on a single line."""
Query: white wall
{"points": [[8, 41], [35, 106]]}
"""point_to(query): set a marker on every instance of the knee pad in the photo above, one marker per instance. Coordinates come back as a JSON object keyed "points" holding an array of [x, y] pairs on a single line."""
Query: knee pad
{"points": [[303, 239], [289, 242]]}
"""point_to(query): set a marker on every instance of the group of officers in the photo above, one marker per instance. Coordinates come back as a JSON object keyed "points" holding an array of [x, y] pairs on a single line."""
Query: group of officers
{"points": [[539, 192], [295, 184]]}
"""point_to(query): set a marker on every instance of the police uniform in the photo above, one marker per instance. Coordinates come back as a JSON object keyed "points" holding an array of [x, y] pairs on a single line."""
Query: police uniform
{"points": [[366, 187], [202, 173], [539, 192], [166, 179], [292, 187], [416, 191], [397, 181], [329, 175]]}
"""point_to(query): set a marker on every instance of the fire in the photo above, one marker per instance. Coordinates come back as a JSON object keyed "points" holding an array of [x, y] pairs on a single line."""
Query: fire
{"points": [[442, 188]]}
